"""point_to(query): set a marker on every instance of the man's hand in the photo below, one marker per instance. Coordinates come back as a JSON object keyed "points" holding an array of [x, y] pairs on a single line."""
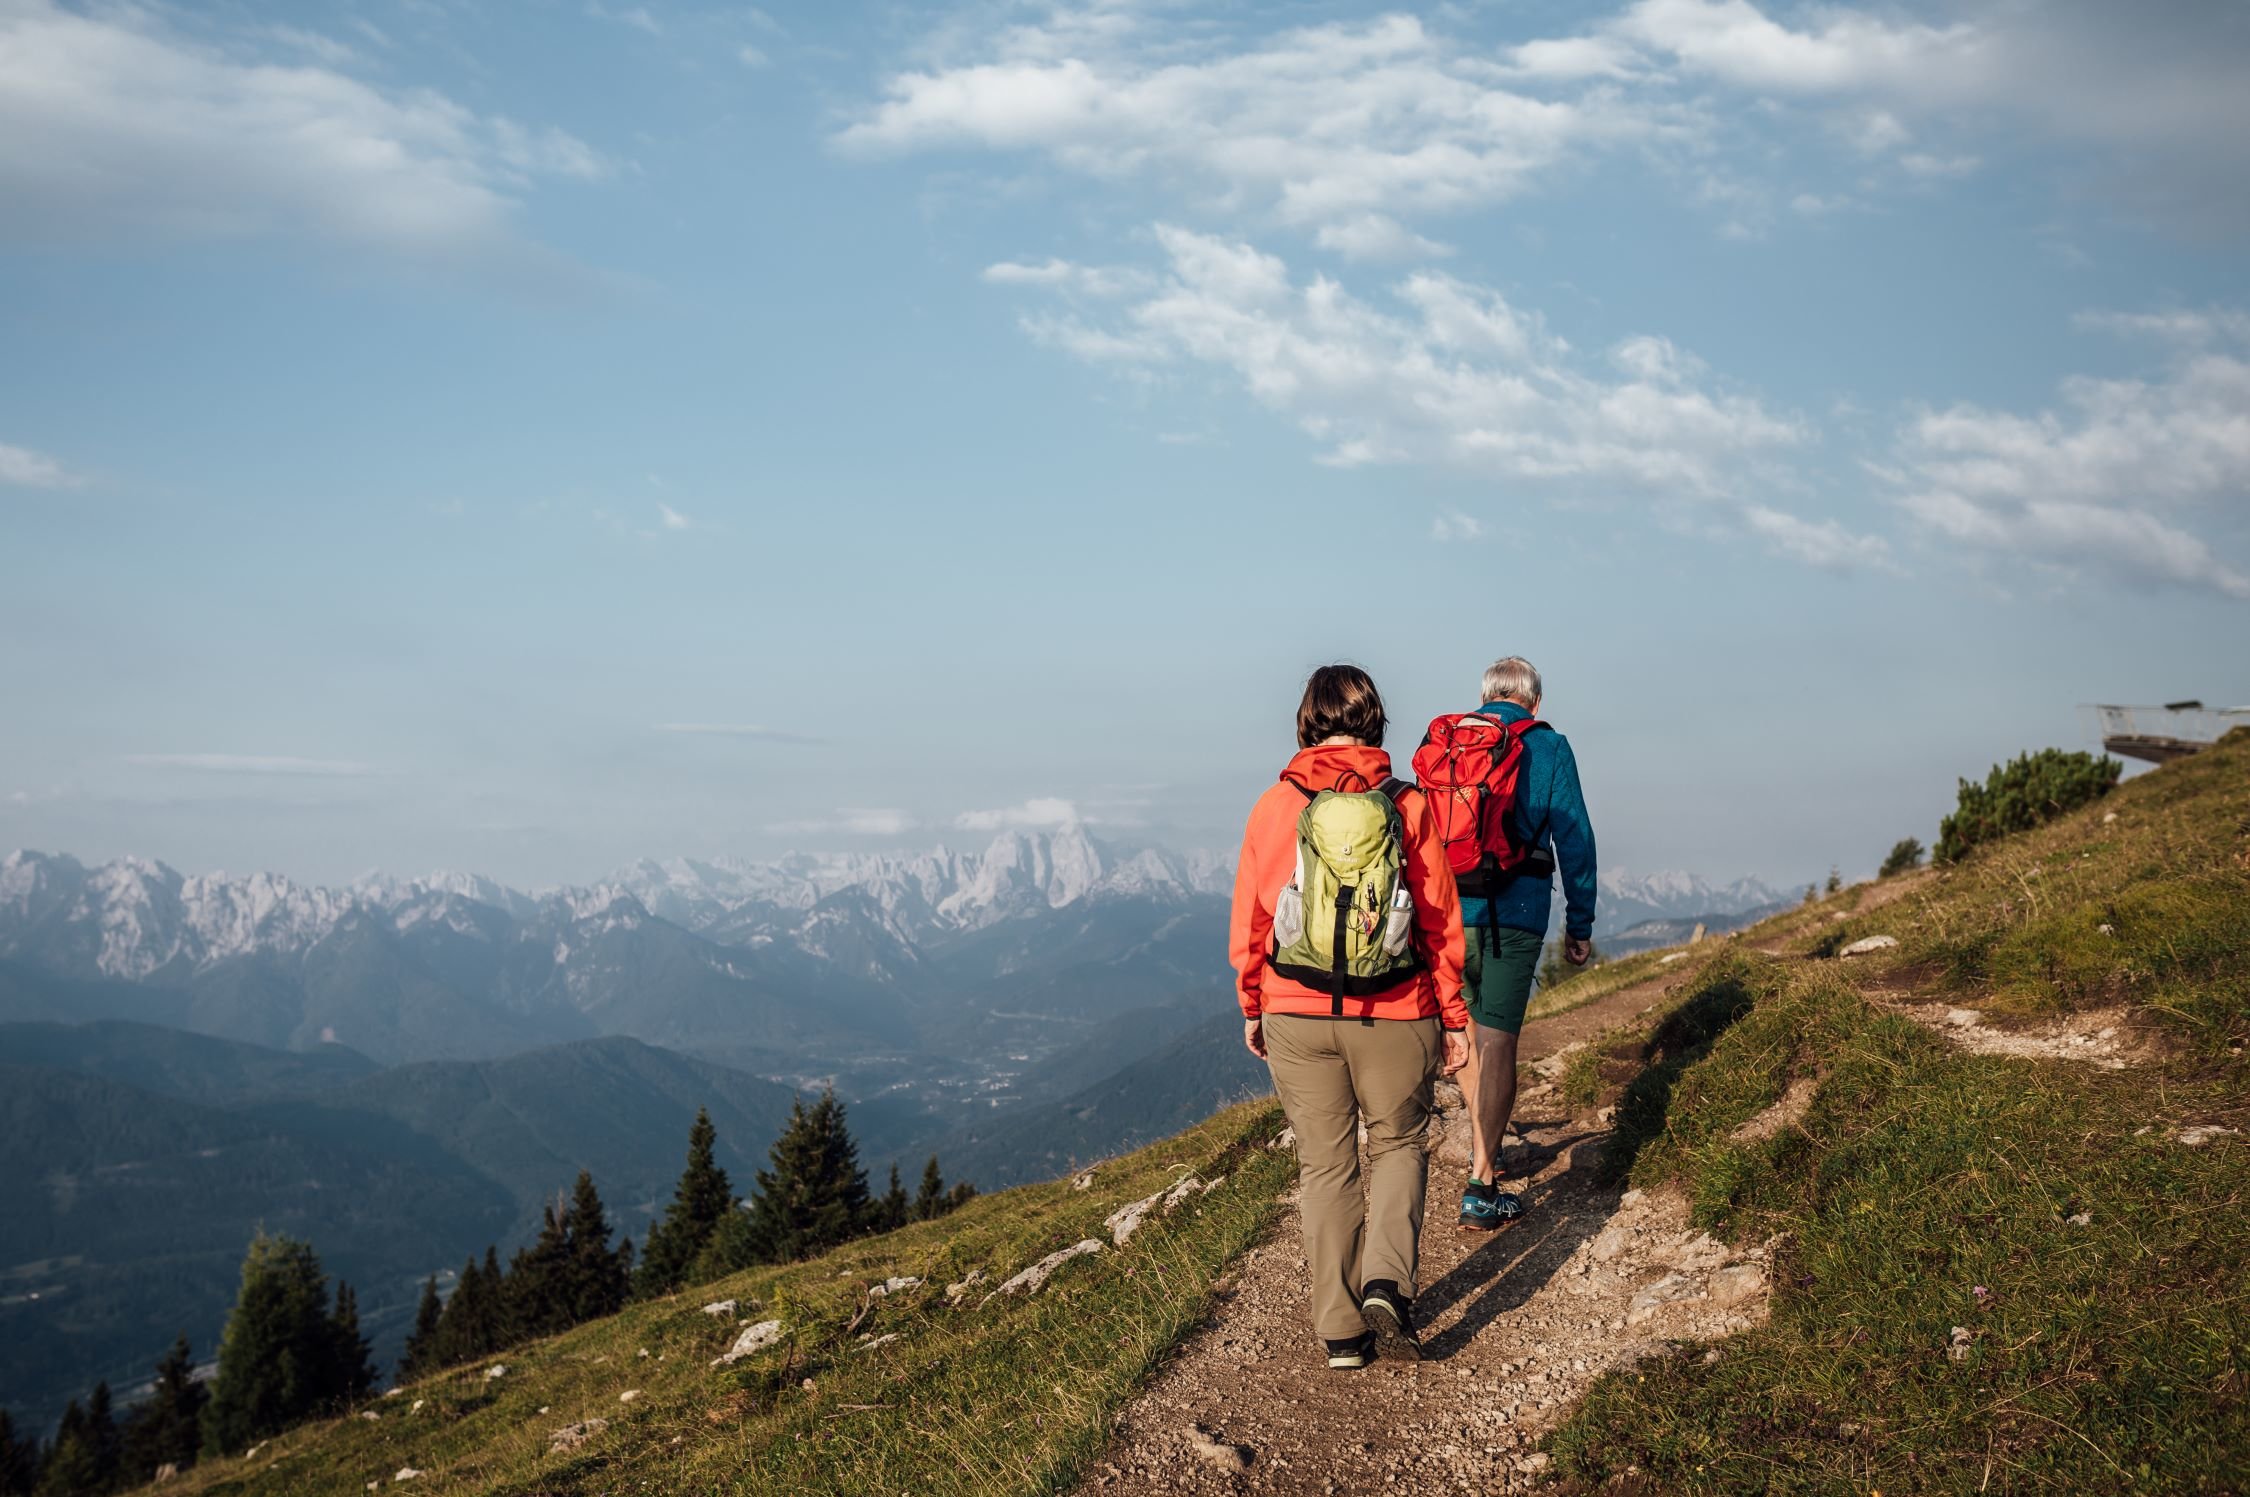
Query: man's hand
{"points": [[1456, 1050], [1575, 951], [1254, 1037]]}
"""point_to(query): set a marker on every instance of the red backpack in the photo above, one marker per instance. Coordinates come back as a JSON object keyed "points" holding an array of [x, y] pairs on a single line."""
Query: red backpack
{"points": [[1469, 766]]}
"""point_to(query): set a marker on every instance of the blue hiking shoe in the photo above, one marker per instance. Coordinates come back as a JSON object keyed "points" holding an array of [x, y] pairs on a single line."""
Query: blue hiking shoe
{"points": [[1486, 1209]]}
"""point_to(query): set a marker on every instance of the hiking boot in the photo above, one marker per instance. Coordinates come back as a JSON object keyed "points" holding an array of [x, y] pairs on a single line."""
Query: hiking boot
{"points": [[1390, 1319], [1485, 1208], [1349, 1356]]}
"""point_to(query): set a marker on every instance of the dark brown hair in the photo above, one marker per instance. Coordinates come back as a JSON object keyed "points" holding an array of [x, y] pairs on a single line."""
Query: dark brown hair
{"points": [[1341, 700]]}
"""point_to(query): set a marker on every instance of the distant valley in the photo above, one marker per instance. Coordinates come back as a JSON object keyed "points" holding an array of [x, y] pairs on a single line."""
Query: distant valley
{"points": [[403, 1069]]}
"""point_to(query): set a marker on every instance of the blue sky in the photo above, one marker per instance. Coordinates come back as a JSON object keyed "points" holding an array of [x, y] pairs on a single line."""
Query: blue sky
{"points": [[532, 436]]}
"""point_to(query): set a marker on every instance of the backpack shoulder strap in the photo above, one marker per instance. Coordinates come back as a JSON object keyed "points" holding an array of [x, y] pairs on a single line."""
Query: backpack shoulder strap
{"points": [[1393, 787]]}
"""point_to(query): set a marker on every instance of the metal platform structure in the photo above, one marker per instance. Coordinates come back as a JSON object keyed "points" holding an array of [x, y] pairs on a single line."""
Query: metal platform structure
{"points": [[2161, 734]]}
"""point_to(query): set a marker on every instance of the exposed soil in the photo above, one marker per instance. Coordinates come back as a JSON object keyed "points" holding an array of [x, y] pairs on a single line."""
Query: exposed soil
{"points": [[1515, 1324], [2109, 1039]]}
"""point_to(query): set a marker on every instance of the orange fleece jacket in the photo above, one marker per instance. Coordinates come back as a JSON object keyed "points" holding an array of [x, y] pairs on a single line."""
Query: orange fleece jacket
{"points": [[1269, 860]]}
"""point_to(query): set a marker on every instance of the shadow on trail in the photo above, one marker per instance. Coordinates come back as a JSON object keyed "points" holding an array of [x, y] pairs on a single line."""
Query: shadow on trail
{"points": [[1505, 1272]]}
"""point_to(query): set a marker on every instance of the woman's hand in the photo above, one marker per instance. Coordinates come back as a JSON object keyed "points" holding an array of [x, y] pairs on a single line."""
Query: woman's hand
{"points": [[1456, 1050], [1254, 1037]]}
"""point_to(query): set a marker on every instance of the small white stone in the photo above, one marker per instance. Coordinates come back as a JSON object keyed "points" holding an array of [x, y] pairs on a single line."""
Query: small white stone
{"points": [[628, 1395], [1865, 944], [756, 1339]]}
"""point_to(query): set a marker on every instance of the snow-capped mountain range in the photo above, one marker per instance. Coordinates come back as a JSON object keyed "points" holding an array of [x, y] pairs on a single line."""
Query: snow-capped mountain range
{"points": [[135, 919]]}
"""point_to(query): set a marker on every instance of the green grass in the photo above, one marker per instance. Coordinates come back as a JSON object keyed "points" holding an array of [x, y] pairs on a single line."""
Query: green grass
{"points": [[1599, 981], [1015, 1396], [2107, 1355]]}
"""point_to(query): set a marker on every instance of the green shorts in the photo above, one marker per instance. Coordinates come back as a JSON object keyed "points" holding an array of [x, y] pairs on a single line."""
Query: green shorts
{"points": [[1496, 978]]}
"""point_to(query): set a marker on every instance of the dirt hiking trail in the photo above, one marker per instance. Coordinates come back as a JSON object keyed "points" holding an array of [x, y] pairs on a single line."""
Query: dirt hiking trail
{"points": [[1515, 1324]]}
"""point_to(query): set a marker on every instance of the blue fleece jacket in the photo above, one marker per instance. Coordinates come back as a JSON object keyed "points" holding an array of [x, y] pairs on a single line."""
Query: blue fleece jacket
{"points": [[1550, 812]]}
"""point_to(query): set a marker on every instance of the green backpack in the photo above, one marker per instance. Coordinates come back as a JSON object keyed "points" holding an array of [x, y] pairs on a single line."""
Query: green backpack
{"points": [[1344, 921]]}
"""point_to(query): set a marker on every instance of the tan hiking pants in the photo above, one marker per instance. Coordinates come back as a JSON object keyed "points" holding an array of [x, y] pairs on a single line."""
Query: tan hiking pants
{"points": [[1331, 1074]]}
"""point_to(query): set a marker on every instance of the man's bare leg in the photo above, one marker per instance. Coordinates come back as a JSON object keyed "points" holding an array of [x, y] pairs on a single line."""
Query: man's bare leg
{"points": [[1468, 1078], [1492, 1093]]}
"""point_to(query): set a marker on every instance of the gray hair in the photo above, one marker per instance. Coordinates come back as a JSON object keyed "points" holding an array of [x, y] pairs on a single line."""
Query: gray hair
{"points": [[1514, 679]]}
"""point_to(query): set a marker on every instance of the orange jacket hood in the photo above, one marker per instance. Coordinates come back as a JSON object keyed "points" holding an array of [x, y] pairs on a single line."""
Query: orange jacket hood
{"points": [[1338, 766]]}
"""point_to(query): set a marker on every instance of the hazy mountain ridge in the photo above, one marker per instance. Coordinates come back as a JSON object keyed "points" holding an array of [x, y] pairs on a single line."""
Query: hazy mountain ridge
{"points": [[141, 1159]]}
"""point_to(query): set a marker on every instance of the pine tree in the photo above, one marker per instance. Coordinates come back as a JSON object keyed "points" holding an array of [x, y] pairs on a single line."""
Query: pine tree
{"points": [[101, 1434], [19, 1460], [891, 1211], [351, 1362], [960, 1195], [420, 1358], [699, 1203], [464, 1326], [164, 1431], [1835, 879], [599, 1279], [497, 1329], [539, 1296], [278, 1358], [815, 1195], [929, 1201], [71, 1468]]}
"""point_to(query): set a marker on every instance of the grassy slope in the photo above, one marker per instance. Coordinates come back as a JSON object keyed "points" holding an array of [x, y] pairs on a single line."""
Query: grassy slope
{"points": [[1013, 1396], [2103, 1356]]}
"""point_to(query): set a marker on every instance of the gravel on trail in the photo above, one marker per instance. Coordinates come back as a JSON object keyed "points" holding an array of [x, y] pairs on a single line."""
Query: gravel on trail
{"points": [[1515, 1325]]}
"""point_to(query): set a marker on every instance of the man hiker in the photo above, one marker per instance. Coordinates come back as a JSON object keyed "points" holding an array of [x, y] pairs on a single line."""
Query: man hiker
{"points": [[1504, 786], [1346, 944]]}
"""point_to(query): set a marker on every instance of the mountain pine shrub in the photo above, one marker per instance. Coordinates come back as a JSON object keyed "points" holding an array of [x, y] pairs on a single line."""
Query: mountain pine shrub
{"points": [[1905, 855], [2027, 791]]}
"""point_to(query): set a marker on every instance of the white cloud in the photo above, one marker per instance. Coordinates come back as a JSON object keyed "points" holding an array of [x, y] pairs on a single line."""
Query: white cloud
{"points": [[1377, 236], [1822, 543], [851, 821], [1455, 526], [1038, 812], [1846, 50], [734, 730], [2185, 328], [1449, 373], [1573, 57], [34, 470], [635, 16], [1065, 275], [250, 764], [1339, 129], [1358, 132], [114, 126], [751, 57], [2160, 105], [2106, 481], [672, 519]]}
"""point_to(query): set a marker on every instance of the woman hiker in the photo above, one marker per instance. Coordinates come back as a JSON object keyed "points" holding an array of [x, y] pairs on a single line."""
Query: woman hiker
{"points": [[1347, 948]]}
